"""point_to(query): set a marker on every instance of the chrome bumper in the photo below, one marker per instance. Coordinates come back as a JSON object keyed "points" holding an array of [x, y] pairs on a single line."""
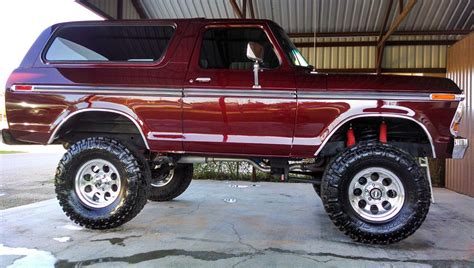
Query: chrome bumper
{"points": [[460, 147]]}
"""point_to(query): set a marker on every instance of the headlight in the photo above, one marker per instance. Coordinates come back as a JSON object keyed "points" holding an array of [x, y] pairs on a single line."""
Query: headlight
{"points": [[457, 120]]}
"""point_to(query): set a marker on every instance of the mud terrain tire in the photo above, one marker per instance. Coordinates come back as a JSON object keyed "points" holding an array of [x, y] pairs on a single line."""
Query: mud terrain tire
{"points": [[82, 207], [358, 223], [169, 188]]}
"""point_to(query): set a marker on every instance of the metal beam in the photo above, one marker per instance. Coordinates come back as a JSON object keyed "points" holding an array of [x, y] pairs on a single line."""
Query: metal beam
{"points": [[397, 21], [140, 9], [404, 33], [375, 43], [95, 9], [384, 36], [252, 12], [119, 9], [380, 49], [236, 9]]}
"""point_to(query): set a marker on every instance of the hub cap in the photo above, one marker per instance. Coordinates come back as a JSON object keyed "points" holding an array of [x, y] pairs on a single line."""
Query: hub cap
{"points": [[376, 194], [163, 179], [97, 183]]}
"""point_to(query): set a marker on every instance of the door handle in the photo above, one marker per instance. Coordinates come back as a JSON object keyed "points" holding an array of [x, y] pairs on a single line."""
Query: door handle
{"points": [[203, 79]]}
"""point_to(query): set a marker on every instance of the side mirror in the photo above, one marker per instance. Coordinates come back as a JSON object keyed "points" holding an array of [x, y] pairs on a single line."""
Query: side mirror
{"points": [[255, 53]]}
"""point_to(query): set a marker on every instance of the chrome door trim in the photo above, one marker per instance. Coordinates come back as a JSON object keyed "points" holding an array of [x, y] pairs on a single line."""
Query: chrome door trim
{"points": [[256, 93], [357, 95]]}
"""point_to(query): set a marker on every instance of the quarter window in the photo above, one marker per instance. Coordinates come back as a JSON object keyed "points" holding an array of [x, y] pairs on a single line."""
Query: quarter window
{"points": [[226, 48], [109, 43]]}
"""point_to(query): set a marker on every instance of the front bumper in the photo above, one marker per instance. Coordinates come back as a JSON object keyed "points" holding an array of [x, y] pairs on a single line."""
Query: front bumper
{"points": [[460, 147]]}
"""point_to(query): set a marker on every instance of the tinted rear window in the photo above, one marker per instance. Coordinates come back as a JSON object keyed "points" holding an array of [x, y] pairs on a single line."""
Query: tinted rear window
{"points": [[109, 43]]}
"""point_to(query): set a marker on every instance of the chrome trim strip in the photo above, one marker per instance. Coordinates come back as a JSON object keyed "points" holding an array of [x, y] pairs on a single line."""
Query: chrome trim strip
{"points": [[376, 115], [58, 127], [258, 93], [174, 92], [219, 138], [355, 95]]}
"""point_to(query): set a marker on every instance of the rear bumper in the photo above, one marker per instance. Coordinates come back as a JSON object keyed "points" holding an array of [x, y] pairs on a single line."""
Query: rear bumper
{"points": [[7, 138], [459, 147]]}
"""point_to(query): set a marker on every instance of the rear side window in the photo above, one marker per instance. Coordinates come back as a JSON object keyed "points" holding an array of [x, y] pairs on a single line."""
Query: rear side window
{"points": [[226, 48], [109, 44]]}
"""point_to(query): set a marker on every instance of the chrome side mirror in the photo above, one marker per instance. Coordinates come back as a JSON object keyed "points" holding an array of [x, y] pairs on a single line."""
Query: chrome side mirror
{"points": [[255, 53]]}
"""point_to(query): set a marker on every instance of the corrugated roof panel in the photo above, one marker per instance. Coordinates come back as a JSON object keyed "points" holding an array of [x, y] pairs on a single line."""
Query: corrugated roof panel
{"points": [[166, 9], [364, 57]]}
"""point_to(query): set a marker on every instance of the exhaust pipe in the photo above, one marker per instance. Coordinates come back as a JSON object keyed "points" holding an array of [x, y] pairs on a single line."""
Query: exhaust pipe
{"points": [[204, 159]]}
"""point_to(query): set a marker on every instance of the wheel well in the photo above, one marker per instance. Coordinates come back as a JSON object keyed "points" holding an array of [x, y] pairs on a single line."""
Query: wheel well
{"points": [[100, 123], [403, 133]]}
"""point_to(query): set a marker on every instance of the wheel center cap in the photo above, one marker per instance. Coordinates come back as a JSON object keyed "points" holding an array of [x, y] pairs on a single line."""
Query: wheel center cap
{"points": [[376, 193]]}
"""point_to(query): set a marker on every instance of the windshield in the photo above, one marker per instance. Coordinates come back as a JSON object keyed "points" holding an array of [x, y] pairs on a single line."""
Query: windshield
{"points": [[292, 53]]}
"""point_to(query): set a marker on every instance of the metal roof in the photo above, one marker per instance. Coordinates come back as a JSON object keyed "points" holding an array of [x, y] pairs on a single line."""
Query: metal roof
{"points": [[343, 21], [307, 16]]}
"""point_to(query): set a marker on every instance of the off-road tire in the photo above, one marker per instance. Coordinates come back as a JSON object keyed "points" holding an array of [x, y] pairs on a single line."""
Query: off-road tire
{"points": [[131, 199], [183, 174], [334, 193]]}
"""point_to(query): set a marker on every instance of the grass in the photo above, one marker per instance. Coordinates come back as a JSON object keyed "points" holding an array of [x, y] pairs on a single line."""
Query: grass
{"points": [[10, 152]]}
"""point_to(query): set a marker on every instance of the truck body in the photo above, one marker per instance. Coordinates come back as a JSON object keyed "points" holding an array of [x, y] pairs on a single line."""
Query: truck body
{"points": [[185, 91]]}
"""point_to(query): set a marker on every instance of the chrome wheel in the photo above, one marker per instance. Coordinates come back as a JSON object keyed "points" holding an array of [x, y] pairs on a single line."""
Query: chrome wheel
{"points": [[376, 194], [163, 179], [97, 183]]}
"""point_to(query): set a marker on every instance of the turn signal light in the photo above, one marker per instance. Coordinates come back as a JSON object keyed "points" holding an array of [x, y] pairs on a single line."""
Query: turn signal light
{"points": [[447, 97], [22, 87]]}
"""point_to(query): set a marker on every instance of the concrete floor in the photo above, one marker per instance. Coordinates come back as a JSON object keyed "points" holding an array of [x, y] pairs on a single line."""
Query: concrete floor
{"points": [[220, 224], [27, 177]]}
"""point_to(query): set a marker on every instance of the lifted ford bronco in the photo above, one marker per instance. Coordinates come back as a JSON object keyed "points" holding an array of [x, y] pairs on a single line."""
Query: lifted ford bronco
{"points": [[136, 103]]}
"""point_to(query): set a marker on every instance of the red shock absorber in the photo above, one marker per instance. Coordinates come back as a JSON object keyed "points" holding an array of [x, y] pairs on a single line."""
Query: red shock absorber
{"points": [[383, 132], [350, 137]]}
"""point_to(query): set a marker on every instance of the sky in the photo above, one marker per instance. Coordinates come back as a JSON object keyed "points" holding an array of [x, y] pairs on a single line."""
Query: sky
{"points": [[21, 22]]}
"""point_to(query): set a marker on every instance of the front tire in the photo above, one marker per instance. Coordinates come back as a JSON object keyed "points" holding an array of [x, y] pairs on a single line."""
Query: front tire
{"points": [[167, 186], [99, 183], [375, 193]]}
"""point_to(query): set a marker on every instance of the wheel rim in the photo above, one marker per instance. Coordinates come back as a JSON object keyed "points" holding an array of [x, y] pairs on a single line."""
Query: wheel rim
{"points": [[376, 194], [97, 183], [163, 179]]}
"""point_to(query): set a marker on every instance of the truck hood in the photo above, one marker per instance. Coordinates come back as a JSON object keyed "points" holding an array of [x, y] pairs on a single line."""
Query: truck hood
{"points": [[393, 83]]}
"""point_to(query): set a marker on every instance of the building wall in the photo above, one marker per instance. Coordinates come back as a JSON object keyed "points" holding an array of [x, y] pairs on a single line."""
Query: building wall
{"points": [[460, 68]]}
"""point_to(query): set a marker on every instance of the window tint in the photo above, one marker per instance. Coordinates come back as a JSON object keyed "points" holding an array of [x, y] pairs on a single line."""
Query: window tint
{"points": [[110, 43], [226, 48]]}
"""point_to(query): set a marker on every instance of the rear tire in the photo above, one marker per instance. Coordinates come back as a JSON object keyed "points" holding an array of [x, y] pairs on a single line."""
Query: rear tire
{"points": [[375, 193], [99, 183], [166, 187]]}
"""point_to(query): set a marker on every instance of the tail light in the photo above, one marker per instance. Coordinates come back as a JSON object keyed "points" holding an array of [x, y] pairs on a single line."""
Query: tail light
{"points": [[457, 120], [22, 87]]}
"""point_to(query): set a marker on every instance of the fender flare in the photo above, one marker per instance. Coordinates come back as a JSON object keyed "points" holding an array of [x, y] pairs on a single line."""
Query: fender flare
{"points": [[428, 134], [71, 115]]}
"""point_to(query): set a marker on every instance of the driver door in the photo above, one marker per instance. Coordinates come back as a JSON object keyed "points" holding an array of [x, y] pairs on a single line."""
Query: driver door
{"points": [[222, 112]]}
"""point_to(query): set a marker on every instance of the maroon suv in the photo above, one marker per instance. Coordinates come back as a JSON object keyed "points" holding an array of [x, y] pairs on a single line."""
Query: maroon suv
{"points": [[136, 103]]}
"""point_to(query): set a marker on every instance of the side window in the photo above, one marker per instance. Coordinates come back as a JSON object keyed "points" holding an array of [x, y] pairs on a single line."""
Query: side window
{"points": [[109, 43], [226, 48]]}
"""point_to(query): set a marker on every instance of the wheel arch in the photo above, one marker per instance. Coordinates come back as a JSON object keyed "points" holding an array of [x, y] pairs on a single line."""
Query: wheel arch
{"points": [[75, 114], [348, 121]]}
